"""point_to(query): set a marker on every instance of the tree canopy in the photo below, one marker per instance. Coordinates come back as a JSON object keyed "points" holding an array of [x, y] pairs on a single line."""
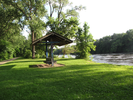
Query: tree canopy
{"points": [[62, 17], [116, 43], [84, 41]]}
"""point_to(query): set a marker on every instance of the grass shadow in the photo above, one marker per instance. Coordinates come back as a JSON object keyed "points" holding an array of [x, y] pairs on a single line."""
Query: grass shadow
{"points": [[78, 81], [6, 67], [26, 61]]}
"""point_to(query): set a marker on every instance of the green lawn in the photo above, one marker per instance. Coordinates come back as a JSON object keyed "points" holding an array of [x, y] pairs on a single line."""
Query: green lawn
{"points": [[78, 80]]}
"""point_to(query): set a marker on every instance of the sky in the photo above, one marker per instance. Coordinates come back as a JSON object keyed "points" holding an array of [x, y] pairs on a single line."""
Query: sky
{"points": [[105, 17]]}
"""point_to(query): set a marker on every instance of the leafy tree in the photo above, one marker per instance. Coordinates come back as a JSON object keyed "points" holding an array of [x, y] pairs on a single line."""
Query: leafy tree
{"points": [[67, 49], [32, 11], [84, 41], [116, 43], [8, 20], [62, 20], [67, 27]]}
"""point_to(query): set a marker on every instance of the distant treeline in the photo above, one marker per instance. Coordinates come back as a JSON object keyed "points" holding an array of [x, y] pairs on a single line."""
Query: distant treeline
{"points": [[117, 43]]}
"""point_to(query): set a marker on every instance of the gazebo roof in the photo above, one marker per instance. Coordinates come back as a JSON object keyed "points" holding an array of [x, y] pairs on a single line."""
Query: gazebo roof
{"points": [[54, 38]]}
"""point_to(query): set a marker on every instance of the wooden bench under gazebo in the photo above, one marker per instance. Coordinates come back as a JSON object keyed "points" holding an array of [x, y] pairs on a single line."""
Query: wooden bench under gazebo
{"points": [[52, 39]]}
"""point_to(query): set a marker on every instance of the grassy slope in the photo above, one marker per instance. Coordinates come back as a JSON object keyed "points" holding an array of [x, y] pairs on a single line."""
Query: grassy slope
{"points": [[78, 80]]}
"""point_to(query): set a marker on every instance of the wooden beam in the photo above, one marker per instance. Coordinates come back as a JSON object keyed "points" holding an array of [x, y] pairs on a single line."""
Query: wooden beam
{"points": [[52, 58], [50, 42], [46, 51]]}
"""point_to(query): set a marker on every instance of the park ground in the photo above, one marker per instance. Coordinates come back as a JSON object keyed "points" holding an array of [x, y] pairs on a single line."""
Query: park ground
{"points": [[77, 80]]}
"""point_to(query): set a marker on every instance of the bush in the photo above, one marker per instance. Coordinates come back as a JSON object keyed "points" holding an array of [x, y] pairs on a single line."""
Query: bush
{"points": [[2, 54], [69, 56], [14, 54], [17, 51], [6, 55], [43, 56], [78, 56], [55, 56], [37, 56], [11, 54], [87, 57], [63, 56], [28, 54]]}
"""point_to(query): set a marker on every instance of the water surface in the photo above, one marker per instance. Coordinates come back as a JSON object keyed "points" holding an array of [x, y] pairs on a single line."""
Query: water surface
{"points": [[116, 58]]}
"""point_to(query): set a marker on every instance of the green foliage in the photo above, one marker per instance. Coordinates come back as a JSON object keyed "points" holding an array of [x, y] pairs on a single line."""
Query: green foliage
{"points": [[55, 56], [27, 54], [6, 55], [14, 54], [8, 20], [16, 14], [63, 56], [4, 49], [31, 13], [66, 22], [37, 56], [10, 37], [84, 42], [67, 49], [116, 43], [67, 27], [2, 56], [69, 56]]}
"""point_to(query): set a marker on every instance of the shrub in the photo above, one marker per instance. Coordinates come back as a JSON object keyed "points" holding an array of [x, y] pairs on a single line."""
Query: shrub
{"points": [[6, 55], [43, 56], [55, 56], [63, 56], [2, 54], [78, 56], [14, 54], [37, 56], [27, 54], [17, 51], [69, 56]]}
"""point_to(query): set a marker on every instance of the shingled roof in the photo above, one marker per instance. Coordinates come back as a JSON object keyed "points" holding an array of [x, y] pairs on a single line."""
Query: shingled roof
{"points": [[57, 39]]}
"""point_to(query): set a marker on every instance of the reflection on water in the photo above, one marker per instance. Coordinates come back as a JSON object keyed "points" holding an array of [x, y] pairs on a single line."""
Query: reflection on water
{"points": [[66, 56], [116, 58]]}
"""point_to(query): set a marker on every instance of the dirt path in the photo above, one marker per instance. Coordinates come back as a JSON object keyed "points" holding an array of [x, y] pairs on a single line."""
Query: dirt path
{"points": [[5, 61]]}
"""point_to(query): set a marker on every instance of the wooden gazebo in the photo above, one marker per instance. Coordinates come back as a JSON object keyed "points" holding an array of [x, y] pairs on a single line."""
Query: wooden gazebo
{"points": [[52, 39]]}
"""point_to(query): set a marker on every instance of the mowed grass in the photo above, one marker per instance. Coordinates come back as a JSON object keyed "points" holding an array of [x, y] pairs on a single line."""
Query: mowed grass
{"points": [[77, 80]]}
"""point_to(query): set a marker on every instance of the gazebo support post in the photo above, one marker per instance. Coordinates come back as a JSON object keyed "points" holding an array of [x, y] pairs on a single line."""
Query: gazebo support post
{"points": [[52, 59], [46, 50], [52, 39]]}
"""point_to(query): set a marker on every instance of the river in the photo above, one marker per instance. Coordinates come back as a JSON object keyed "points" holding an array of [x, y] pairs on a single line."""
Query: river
{"points": [[114, 58]]}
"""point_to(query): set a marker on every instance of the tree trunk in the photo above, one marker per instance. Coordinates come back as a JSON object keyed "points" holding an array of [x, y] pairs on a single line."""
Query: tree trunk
{"points": [[33, 46]]}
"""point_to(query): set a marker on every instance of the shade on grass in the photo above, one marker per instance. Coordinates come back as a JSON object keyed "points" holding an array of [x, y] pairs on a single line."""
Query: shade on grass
{"points": [[78, 80]]}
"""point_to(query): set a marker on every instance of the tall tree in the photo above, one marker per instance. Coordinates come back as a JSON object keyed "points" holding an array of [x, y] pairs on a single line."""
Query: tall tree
{"points": [[8, 20], [32, 11], [84, 41], [61, 19], [116, 43]]}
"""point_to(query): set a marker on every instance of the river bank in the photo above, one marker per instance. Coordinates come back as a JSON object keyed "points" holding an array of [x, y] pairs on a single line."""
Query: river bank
{"points": [[113, 58]]}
